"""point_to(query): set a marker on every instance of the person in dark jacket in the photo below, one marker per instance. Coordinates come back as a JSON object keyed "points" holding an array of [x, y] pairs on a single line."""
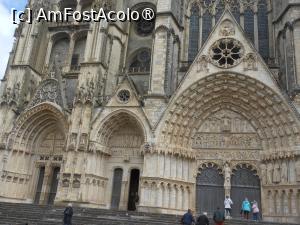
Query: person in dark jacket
{"points": [[68, 214], [188, 218], [219, 217], [203, 219]]}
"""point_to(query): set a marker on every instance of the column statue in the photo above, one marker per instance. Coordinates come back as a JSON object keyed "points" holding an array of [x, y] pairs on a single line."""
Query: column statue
{"points": [[284, 172], [227, 179], [276, 173]]}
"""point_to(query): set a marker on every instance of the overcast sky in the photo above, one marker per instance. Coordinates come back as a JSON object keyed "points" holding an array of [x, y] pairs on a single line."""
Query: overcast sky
{"points": [[7, 29]]}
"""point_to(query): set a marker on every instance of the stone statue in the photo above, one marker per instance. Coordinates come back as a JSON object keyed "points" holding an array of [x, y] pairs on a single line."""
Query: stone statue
{"points": [[263, 169], [276, 173], [227, 176], [227, 28], [250, 62], [203, 64], [284, 172], [269, 173]]}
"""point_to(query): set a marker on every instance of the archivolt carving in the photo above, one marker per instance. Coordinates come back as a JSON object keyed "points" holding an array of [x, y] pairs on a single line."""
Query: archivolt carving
{"points": [[32, 122], [121, 130], [270, 116]]}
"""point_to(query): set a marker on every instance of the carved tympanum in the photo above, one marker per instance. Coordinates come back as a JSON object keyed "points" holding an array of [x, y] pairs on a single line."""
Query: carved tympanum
{"points": [[226, 130]]}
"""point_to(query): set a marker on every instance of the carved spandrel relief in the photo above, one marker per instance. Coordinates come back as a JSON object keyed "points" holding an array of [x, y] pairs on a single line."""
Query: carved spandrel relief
{"points": [[48, 91], [226, 130]]}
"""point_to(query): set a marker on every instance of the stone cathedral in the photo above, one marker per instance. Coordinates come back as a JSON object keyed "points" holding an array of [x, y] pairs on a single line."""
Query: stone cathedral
{"points": [[202, 102]]}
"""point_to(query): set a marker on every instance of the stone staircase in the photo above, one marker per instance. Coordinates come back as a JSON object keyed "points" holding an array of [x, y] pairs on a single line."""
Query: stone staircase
{"points": [[20, 214]]}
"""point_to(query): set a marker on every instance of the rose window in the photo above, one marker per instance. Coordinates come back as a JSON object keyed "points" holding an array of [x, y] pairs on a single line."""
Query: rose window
{"points": [[144, 27], [226, 52], [124, 96]]}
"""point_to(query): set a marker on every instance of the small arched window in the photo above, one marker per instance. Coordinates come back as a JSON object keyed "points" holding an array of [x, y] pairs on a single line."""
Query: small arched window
{"points": [[194, 33]]}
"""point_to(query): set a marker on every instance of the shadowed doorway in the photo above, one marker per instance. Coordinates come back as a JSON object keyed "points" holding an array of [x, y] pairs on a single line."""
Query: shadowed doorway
{"points": [[133, 197]]}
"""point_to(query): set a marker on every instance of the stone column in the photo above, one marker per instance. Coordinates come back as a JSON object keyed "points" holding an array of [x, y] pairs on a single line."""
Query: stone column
{"points": [[159, 202], [179, 198], [173, 197], [159, 61], [68, 60], [293, 199], [143, 195], [285, 203]]}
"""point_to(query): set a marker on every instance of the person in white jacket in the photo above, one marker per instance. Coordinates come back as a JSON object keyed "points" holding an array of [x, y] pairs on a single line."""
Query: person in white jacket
{"points": [[228, 203]]}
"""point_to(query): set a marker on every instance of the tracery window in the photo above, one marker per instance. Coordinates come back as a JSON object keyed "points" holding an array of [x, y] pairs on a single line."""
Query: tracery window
{"points": [[59, 52], [226, 52], [249, 23], [78, 53], [219, 10], [204, 14], [194, 33], [141, 61], [263, 28]]}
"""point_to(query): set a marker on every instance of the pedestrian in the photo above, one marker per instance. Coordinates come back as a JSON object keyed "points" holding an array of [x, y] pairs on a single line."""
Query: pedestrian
{"points": [[219, 217], [228, 203], [203, 219], [68, 214], [255, 211], [246, 206], [188, 218]]}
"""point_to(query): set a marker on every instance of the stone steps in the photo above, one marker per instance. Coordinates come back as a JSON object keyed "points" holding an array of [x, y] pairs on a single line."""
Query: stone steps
{"points": [[19, 214]]}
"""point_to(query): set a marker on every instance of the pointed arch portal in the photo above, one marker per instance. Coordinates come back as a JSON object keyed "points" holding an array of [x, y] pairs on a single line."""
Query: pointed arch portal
{"points": [[228, 116]]}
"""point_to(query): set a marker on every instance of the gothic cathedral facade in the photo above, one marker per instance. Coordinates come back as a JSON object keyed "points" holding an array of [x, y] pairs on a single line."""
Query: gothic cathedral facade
{"points": [[202, 102]]}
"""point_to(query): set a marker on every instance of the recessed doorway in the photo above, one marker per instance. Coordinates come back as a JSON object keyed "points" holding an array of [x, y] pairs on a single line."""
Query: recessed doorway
{"points": [[133, 197]]}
